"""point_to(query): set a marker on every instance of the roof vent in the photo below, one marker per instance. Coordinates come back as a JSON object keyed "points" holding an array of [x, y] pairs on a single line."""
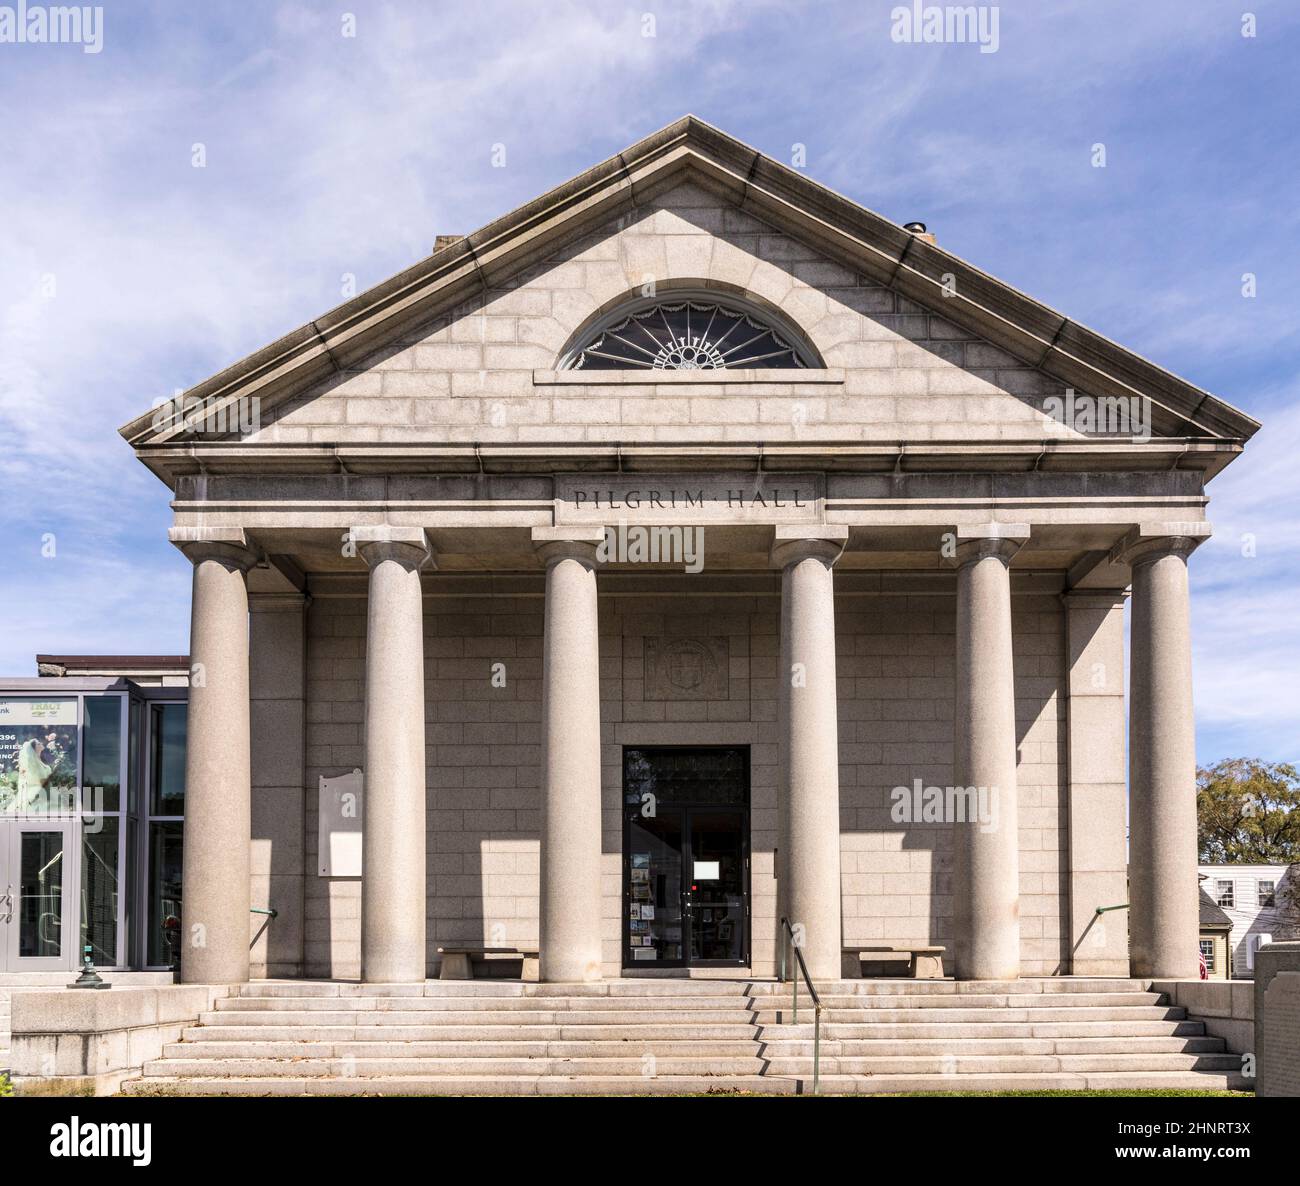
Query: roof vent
{"points": [[918, 229], [441, 241]]}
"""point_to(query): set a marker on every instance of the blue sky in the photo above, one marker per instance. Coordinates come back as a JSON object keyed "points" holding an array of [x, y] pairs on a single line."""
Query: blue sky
{"points": [[125, 272]]}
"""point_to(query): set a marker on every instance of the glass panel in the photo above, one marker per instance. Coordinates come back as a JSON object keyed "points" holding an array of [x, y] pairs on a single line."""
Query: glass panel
{"points": [[131, 887], [101, 774], [167, 795], [685, 776], [99, 896], [133, 760], [39, 907], [686, 335], [654, 902], [717, 886], [164, 913], [1267, 894], [38, 755]]}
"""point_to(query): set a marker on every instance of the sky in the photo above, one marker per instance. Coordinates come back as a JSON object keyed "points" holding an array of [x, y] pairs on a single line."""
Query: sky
{"points": [[216, 174]]}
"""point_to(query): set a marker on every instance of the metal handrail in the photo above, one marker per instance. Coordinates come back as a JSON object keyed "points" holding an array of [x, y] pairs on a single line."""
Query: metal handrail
{"points": [[791, 945], [1104, 909]]}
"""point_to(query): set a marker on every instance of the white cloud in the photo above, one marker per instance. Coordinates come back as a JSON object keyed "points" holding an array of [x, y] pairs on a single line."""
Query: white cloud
{"points": [[1244, 605], [329, 155]]}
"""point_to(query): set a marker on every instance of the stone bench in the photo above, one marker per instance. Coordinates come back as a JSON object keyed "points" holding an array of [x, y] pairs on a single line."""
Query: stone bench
{"points": [[923, 963], [458, 962]]}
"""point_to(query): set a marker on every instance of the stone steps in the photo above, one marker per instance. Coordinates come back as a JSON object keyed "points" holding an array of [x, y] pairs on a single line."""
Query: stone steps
{"points": [[652, 1037], [698, 1064], [670, 1045], [696, 1001], [945, 1034], [676, 989], [455, 1085], [649, 1015]]}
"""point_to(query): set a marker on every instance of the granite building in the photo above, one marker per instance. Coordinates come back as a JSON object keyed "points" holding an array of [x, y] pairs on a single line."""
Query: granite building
{"points": [[686, 550]]}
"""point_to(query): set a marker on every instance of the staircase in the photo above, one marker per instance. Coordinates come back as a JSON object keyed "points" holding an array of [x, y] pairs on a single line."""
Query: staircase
{"points": [[633, 1037]]}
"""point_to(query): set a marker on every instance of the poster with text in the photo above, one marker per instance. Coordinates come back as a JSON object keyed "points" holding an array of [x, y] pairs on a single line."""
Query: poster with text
{"points": [[38, 756]]}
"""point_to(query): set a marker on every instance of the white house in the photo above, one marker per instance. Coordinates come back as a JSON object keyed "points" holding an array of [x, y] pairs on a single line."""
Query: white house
{"points": [[1254, 898]]}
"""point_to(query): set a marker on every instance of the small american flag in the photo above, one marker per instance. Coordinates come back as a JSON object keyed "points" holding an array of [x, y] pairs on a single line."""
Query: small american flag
{"points": [[1205, 968]]}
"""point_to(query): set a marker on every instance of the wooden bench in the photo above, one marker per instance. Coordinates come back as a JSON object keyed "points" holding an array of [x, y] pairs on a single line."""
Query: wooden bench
{"points": [[458, 962], [923, 963]]}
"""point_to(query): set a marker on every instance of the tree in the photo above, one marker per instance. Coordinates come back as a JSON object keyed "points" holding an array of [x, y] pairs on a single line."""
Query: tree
{"points": [[1248, 812], [1287, 918]]}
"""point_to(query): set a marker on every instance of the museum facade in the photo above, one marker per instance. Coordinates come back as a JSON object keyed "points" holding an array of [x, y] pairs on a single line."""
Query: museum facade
{"points": [[688, 550]]}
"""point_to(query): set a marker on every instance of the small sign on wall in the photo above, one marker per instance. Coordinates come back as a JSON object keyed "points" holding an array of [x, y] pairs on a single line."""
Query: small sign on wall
{"points": [[340, 819]]}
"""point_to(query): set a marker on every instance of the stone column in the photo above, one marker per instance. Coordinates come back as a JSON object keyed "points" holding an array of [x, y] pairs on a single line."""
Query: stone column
{"points": [[809, 732], [393, 881], [1164, 897], [570, 842], [986, 841], [215, 878]]}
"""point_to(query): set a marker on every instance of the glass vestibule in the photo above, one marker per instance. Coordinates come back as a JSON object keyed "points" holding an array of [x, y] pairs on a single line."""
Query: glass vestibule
{"points": [[686, 857], [72, 822]]}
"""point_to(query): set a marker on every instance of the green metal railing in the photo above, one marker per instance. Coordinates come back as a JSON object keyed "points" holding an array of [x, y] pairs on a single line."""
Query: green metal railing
{"points": [[263, 910], [1105, 909], [786, 947]]}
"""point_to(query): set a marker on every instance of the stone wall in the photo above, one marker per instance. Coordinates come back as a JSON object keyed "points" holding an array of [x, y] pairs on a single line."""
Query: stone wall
{"points": [[486, 372], [88, 1043], [1277, 1019], [1227, 1009], [895, 674]]}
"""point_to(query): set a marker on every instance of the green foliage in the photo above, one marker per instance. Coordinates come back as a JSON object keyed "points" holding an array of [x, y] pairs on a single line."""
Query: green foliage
{"points": [[1248, 812], [6, 1088]]}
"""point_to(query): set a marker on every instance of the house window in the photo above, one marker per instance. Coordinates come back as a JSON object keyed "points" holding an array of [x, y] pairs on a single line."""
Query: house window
{"points": [[687, 333], [1267, 891], [1207, 950], [1225, 893]]}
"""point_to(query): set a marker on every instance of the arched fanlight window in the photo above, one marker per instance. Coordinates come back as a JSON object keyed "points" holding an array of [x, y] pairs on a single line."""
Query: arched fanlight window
{"points": [[685, 333]]}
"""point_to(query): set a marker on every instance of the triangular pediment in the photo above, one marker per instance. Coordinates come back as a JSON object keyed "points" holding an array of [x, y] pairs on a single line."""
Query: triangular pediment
{"points": [[686, 206]]}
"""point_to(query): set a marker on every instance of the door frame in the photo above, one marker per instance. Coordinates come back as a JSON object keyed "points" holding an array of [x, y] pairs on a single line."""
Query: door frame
{"points": [[685, 807], [11, 833]]}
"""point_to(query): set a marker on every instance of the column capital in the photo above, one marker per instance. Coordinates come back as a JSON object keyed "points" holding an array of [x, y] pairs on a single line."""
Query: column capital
{"points": [[1152, 541], [977, 541], [409, 546], [792, 544], [554, 544], [228, 545]]}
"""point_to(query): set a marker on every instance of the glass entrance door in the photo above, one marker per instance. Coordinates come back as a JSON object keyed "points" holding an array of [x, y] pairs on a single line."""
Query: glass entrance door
{"points": [[686, 858], [716, 889], [38, 917]]}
